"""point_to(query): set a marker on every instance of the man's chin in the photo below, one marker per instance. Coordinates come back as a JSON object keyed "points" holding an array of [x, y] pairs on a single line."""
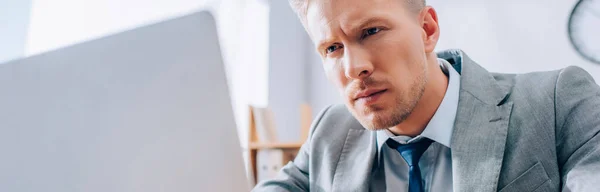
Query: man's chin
{"points": [[373, 123], [380, 120], [373, 118], [375, 128]]}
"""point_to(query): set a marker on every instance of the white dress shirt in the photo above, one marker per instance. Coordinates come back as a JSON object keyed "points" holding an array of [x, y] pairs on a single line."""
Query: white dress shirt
{"points": [[436, 162]]}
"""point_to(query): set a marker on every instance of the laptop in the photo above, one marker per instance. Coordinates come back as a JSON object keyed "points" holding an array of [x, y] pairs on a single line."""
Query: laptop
{"points": [[146, 110]]}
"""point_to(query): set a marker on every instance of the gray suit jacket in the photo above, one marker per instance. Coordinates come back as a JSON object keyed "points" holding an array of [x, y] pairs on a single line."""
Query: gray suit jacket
{"points": [[527, 132]]}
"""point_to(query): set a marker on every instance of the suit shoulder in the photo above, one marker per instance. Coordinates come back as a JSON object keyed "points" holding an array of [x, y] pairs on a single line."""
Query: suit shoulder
{"points": [[573, 70], [553, 82], [574, 84], [337, 110], [331, 113], [573, 75], [532, 86], [527, 79], [335, 119], [546, 87], [554, 77]]}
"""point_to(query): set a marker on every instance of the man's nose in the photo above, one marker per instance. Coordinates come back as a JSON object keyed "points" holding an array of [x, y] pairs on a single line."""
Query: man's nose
{"points": [[357, 64]]}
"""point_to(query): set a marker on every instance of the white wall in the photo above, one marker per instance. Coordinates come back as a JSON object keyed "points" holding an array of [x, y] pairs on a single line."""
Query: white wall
{"points": [[58, 23], [514, 36], [287, 69], [14, 20]]}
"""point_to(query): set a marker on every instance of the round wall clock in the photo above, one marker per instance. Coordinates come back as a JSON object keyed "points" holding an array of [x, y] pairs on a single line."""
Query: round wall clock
{"points": [[584, 29]]}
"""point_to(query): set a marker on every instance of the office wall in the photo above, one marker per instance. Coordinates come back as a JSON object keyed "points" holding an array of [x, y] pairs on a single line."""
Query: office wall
{"points": [[14, 20], [59, 23], [287, 69], [513, 36]]}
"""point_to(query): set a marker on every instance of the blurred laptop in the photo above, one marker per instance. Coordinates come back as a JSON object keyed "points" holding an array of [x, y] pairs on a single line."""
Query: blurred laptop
{"points": [[145, 110]]}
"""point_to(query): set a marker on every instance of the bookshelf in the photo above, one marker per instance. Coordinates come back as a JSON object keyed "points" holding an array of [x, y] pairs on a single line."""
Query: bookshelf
{"points": [[254, 143]]}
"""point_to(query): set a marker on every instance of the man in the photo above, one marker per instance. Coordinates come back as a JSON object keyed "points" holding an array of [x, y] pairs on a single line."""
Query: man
{"points": [[419, 121]]}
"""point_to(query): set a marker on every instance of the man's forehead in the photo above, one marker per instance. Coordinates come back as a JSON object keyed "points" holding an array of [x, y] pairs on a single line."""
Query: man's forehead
{"points": [[320, 16], [323, 16]]}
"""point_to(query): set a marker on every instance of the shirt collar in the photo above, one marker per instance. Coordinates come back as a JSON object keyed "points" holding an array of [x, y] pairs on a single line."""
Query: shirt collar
{"points": [[441, 125]]}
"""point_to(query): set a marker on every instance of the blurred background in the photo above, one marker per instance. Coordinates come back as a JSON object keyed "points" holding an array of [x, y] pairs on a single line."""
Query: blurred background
{"points": [[270, 61]]}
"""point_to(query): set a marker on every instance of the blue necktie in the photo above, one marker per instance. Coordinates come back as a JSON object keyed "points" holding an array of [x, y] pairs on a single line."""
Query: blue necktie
{"points": [[411, 153]]}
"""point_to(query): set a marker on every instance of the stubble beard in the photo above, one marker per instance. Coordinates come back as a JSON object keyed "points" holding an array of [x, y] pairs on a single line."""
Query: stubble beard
{"points": [[389, 116]]}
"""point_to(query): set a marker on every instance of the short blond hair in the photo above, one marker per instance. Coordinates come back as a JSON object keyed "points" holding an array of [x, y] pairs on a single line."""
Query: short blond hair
{"points": [[301, 7]]}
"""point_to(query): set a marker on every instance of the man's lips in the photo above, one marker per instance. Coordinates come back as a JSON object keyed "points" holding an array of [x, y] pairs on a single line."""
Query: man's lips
{"points": [[368, 93]]}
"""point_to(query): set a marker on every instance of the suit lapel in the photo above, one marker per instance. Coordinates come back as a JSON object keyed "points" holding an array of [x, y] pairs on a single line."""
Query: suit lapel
{"points": [[480, 129], [355, 165], [478, 144]]}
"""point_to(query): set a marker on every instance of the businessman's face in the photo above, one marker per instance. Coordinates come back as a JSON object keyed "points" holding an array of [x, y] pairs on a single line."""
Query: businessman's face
{"points": [[374, 52]]}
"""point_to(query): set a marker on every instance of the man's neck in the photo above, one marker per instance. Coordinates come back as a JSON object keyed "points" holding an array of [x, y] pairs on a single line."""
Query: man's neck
{"points": [[432, 97]]}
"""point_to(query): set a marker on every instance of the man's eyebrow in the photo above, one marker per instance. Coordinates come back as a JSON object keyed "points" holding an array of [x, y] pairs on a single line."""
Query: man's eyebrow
{"points": [[361, 24], [353, 27]]}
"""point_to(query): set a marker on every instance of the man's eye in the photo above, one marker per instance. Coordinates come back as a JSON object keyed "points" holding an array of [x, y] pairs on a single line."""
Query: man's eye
{"points": [[370, 31], [332, 48]]}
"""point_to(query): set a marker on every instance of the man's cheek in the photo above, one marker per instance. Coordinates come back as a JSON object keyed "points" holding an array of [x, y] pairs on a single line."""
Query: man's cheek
{"points": [[337, 79]]}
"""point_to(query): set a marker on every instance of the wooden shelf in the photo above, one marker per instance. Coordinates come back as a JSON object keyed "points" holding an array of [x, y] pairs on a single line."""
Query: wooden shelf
{"points": [[258, 145], [254, 143]]}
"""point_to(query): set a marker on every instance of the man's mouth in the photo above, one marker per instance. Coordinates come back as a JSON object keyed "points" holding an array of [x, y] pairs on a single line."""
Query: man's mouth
{"points": [[369, 95]]}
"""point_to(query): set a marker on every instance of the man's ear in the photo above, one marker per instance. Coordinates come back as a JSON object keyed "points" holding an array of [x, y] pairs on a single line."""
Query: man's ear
{"points": [[431, 29]]}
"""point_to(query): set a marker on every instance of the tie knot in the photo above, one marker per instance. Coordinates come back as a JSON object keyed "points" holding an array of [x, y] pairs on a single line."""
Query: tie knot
{"points": [[412, 152]]}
